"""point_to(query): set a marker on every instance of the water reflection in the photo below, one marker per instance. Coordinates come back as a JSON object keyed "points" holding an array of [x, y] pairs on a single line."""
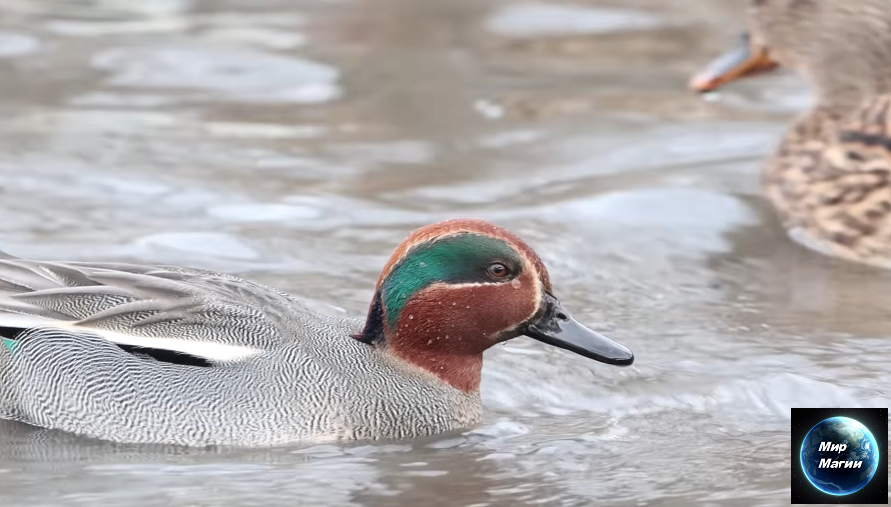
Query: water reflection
{"points": [[542, 20]]}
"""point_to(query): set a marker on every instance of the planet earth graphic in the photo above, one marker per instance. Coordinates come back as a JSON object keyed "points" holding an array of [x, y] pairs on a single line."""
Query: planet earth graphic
{"points": [[861, 446]]}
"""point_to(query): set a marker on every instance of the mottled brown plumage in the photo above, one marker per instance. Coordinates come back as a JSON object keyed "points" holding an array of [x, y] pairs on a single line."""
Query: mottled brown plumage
{"points": [[830, 178]]}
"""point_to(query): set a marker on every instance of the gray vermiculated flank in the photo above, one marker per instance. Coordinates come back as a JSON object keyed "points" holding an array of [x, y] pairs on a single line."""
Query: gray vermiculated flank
{"points": [[309, 382]]}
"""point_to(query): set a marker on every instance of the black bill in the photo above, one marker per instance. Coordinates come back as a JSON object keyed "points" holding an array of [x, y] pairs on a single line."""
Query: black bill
{"points": [[556, 327]]}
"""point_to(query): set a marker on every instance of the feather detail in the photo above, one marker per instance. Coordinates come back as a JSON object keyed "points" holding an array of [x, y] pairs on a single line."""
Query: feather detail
{"points": [[215, 352], [211, 316], [9, 344], [830, 182]]}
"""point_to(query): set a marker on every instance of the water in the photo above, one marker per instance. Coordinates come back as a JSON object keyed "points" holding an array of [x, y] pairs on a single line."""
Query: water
{"points": [[296, 143]]}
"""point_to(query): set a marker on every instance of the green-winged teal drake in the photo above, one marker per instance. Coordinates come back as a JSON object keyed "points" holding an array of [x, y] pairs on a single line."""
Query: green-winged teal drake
{"points": [[161, 354]]}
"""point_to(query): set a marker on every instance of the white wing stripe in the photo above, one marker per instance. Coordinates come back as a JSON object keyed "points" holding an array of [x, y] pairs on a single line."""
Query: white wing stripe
{"points": [[205, 349]]}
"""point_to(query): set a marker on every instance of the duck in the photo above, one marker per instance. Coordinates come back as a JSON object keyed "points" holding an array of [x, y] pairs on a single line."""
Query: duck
{"points": [[829, 179], [157, 354]]}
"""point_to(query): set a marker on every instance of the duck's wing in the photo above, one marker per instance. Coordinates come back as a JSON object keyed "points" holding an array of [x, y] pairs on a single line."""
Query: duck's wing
{"points": [[180, 314]]}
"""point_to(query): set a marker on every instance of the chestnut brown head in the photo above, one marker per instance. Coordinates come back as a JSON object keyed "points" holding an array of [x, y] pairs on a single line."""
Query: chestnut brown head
{"points": [[452, 290]]}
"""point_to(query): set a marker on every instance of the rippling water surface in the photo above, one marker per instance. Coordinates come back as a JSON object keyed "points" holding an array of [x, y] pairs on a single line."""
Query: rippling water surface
{"points": [[297, 143]]}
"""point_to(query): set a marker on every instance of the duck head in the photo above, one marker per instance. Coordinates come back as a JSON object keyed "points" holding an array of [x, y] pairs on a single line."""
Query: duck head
{"points": [[842, 47], [453, 289]]}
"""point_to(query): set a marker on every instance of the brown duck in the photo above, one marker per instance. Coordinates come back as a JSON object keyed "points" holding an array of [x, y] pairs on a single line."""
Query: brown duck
{"points": [[830, 177]]}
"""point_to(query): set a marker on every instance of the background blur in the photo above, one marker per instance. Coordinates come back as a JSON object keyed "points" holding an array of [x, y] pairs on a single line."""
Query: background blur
{"points": [[297, 142]]}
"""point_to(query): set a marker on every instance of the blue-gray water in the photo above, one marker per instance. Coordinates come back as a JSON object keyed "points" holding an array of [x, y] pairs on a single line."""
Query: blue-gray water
{"points": [[296, 143]]}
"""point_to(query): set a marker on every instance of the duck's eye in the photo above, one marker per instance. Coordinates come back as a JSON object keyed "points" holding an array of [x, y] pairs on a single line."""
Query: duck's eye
{"points": [[498, 270]]}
